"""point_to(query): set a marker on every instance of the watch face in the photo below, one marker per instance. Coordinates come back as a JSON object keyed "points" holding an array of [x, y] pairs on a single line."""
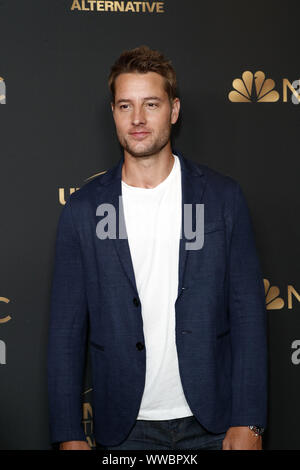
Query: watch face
{"points": [[258, 430]]}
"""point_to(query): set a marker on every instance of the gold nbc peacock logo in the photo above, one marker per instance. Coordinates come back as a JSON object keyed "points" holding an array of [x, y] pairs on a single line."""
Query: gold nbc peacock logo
{"points": [[273, 301], [253, 88]]}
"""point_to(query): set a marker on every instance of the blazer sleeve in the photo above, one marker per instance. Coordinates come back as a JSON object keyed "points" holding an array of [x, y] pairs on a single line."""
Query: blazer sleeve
{"points": [[247, 312], [67, 334]]}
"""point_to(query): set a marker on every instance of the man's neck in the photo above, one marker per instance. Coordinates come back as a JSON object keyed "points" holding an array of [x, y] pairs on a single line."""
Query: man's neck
{"points": [[147, 172]]}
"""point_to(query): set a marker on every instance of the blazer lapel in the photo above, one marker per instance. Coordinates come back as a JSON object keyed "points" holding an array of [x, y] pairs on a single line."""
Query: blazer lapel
{"points": [[192, 187], [113, 182]]}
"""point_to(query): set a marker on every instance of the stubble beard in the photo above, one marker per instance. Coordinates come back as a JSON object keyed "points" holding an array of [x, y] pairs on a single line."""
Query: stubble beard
{"points": [[152, 148]]}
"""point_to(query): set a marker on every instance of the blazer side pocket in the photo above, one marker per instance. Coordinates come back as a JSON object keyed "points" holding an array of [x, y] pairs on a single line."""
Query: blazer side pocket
{"points": [[223, 334]]}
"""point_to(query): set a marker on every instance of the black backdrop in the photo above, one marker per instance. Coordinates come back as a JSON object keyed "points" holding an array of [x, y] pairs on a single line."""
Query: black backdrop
{"points": [[57, 130]]}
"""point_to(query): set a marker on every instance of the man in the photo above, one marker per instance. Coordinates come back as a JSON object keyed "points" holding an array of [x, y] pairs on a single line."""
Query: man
{"points": [[177, 332]]}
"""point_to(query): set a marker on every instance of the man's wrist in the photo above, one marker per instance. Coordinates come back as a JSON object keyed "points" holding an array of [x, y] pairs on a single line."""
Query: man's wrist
{"points": [[257, 430]]}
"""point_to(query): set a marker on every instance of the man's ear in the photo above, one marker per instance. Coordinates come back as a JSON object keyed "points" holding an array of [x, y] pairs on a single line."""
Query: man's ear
{"points": [[112, 104], [175, 110]]}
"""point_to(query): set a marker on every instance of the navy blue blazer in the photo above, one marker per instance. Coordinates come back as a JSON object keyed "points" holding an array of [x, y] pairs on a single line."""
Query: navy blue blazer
{"points": [[220, 314]]}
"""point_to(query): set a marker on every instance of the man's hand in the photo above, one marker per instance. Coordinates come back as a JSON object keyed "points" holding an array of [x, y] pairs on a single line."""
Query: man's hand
{"points": [[74, 445], [241, 438]]}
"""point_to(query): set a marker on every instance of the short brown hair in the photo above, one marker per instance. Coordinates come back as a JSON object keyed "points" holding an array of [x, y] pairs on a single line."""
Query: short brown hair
{"points": [[142, 60]]}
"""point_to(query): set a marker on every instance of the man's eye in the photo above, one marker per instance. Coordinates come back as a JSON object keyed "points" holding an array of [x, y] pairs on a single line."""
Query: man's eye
{"points": [[152, 105], [124, 106]]}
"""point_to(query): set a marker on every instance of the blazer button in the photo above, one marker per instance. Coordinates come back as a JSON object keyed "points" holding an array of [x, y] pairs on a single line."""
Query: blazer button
{"points": [[136, 302], [140, 346]]}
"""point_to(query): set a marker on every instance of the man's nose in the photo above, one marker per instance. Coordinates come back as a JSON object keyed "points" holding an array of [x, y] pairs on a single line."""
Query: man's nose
{"points": [[138, 116]]}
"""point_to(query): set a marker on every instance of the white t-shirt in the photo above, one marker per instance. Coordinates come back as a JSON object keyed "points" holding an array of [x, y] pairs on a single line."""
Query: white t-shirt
{"points": [[153, 222]]}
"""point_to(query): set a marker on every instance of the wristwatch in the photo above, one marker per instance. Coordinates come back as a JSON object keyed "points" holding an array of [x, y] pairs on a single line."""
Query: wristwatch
{"points": [[258, 430]]}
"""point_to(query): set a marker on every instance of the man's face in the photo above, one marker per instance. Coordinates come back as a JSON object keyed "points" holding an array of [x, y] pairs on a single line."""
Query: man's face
{"points": [[143, 113]]}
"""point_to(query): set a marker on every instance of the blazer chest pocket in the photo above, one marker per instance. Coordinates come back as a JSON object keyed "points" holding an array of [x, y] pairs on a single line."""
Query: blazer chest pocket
{"points": [[97, 346], [214, 226]]}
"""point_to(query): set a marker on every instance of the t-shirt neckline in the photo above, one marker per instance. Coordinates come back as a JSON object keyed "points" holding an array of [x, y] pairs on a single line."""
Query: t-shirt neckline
{"points": [[159, 186]]}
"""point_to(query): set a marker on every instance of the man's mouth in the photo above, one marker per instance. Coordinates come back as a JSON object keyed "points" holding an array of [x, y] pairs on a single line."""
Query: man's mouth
{"points": [[139, 135]]}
